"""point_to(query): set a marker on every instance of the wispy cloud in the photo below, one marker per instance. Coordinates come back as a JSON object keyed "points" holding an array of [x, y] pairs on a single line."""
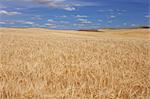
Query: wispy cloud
{"points": [[70, 8], [56, 23], [37, 13], [112, 16], [1, 22], [49, 25], [63, 4], [2, 6], [112, 10], [133, 25], [125, 24], [61, 16], [51, 20], [36, 17], [16, 22], [84, 21], [100, 20], [81, 16], [147, 16], [9, 13], [110, 21]]}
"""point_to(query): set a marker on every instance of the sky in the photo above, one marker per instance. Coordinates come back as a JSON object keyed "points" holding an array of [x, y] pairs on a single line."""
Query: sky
{"points": [[74, 14]]}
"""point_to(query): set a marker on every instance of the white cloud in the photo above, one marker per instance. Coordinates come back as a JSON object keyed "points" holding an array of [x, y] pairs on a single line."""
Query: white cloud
{"points": [[112, 16], [21, 23], [68, 5], [64, 22], [62, 16], [36, 18], [101, 10], [55, 23], [16, 22], [124, 23], [78, 25], [133, 25], [147, 16], [28, 22], [70, 8], [120, 10], [100, 20], [84, 21], [81, 16], [49, 25], [50, 20], [9, 13], [1, 22], [119, 13], [62, 4], [110, 21], [2, 6], [25, 22], [111, 10]]}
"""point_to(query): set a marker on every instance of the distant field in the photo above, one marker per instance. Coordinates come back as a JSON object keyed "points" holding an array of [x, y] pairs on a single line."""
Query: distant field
{"points": [[52, 64]]}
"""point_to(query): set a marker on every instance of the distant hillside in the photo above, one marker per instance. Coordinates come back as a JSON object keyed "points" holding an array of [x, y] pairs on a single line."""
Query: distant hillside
{"points": [[98, 30], [145, 27], [89, 30]]}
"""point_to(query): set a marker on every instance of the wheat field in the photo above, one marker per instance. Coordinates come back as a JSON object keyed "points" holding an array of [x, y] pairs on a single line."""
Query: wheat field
{"points": [[61, 64]]}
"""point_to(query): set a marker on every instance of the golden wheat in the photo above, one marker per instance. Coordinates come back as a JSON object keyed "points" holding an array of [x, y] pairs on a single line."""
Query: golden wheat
{"points": [[49, 64]]}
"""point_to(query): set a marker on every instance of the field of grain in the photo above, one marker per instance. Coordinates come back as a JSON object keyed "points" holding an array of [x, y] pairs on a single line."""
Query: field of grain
{"points": [[52, 64]]}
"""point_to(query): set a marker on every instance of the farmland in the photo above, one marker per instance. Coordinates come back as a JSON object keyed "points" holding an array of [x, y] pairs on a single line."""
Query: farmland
{"points": [[39, 63]]}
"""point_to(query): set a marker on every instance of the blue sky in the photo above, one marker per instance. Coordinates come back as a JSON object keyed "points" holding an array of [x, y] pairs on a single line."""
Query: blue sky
{"points": [[74, 14]]}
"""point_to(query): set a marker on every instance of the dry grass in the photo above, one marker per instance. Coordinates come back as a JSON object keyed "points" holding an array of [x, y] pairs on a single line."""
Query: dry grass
{"points": [[50, 64]]}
